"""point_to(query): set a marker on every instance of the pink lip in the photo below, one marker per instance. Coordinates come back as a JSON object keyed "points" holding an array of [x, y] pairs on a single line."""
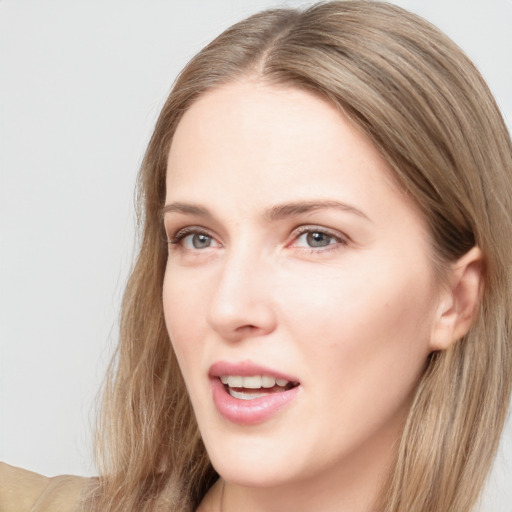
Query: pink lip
{"points": [[248, 412]]}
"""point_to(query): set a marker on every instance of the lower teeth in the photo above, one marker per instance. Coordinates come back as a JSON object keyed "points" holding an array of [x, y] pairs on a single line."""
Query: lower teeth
{"points": [[242, 395]]}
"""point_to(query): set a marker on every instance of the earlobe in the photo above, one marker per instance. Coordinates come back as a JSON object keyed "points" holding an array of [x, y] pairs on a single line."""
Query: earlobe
{"points": [[459, 301]]}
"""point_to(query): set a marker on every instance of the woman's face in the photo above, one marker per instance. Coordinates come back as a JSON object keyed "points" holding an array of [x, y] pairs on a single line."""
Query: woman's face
{"points": [[299, 294]]}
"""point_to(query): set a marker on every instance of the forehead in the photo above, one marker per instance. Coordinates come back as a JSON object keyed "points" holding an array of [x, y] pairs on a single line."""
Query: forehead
{"points": [[260, 144], [265, 126]]}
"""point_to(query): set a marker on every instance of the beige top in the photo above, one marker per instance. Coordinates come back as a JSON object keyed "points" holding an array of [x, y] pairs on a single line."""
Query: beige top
{"points": [[25, 491]]}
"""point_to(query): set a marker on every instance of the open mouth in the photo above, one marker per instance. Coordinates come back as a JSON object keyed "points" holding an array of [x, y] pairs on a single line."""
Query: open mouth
{"points": [[246, 393], [254, 386]]}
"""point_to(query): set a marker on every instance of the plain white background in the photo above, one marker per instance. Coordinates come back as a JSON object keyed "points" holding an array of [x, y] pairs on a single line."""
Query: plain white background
{"points": [[81, 84]]}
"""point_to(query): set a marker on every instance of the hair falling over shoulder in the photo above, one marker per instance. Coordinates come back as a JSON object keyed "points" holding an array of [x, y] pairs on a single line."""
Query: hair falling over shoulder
{"points": [[423, 104]]}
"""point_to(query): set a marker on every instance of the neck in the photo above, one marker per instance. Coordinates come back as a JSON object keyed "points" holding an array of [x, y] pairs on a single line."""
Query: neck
{"points": [[328, 495], [353, 486]]}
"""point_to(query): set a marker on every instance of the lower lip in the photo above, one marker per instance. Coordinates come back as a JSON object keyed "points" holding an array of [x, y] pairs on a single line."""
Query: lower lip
{"points": [[250, 412]]}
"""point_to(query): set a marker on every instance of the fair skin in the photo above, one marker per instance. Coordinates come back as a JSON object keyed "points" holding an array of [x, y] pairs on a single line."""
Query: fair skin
{"points": [[292, 249]]}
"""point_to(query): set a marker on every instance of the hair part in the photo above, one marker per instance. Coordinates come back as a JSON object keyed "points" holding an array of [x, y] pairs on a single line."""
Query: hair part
{"points": [[423, 104]]}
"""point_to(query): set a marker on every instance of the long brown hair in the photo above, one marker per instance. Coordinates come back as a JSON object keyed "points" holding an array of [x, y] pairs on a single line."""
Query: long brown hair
{"points": [[423, 104]]}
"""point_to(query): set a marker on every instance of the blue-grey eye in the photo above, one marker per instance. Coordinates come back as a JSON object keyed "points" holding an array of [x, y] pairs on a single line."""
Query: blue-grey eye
{"points": [[200, 240], [318, 239]]}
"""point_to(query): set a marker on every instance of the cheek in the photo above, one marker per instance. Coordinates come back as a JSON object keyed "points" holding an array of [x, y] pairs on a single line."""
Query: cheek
{"points": [[362, 324], [182, 309]]}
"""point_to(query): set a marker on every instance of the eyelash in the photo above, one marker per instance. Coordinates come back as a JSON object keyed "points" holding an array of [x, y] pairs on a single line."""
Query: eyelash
{"points": [[180, 235], [340, 240]]}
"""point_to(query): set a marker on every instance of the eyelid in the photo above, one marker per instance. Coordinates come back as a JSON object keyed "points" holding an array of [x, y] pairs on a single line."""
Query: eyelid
{"points": [[339, 240], [182, 233], [311, 228]]}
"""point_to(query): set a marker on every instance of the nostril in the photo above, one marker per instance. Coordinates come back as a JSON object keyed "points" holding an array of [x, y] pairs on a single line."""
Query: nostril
{"points": [[247, 328]]}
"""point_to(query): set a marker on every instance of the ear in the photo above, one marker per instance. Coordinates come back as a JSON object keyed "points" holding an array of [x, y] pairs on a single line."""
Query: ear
{"points": [[459, 300]]}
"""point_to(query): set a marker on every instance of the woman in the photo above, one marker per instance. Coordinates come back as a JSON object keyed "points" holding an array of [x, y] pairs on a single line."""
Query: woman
{"points": [[326, 214]]}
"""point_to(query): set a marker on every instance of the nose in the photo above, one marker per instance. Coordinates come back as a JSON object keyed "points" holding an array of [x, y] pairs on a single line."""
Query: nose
{"points": [[242, 305]]}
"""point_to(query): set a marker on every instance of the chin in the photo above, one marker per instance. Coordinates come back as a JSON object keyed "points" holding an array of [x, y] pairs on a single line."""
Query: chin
{"points": [[252, 461]]}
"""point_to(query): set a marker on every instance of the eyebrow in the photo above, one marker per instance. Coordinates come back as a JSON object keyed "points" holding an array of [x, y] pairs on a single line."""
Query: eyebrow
{"points": [[186, 208], [273, 213], [296, 208]]}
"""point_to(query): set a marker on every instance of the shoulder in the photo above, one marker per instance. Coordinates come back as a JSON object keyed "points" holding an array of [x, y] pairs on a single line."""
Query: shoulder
{"points": [[25, 491]]}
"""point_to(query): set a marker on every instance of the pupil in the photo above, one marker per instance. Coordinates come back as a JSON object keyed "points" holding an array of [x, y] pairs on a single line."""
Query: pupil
{"points": [[317, 239], [200, 241]]}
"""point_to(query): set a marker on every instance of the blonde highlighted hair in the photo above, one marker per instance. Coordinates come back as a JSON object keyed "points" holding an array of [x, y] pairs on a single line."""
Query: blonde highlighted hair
{"points": [[423, 104]]}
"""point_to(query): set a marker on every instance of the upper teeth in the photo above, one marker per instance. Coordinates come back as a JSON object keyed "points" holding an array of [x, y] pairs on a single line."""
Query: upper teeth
{"points": [[252, 382]]}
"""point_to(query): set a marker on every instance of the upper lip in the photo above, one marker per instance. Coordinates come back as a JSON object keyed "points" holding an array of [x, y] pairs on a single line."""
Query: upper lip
{"points": [[246, 369]]}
